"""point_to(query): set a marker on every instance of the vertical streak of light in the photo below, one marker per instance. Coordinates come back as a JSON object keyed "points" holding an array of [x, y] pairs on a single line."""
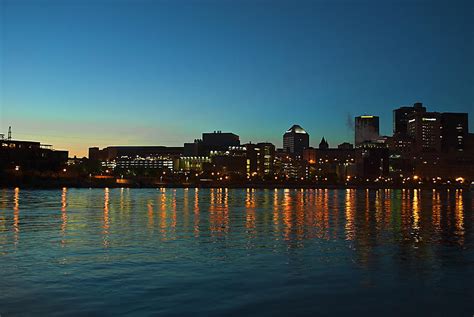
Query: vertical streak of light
{"points": [[106, 224], [63, 216], [387, 207], [163, 215], [436, 215], [335, 214], [459, 216], [16, 215], [186, 209], [378, 208], [287, 209], [416, 210], [300, 215], [196, 212], [212, 211], [276, 214], [174, 218], [350, 229], [121, 200], [250, 212]]}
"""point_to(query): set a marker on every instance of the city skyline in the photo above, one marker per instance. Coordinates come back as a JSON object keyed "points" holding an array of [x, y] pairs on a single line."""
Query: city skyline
{"points": [[94, 74]]}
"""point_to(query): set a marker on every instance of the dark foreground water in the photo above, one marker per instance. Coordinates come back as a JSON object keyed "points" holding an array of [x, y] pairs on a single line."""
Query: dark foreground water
{"points": [[216, 252]]}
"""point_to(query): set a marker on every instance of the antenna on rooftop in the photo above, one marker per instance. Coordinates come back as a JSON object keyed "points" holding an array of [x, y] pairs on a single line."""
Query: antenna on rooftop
{"points": [[9, 133]]}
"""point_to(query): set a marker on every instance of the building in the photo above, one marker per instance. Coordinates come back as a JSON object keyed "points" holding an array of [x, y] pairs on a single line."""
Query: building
{"points": [[366, 129], [287, 167], [295, 140], [195, 148], [260, 159], [323, 145], [372, 162], [249, 160], [137, 157], [345, 146], [400, 117], [425, 130], [30, 156], [111, 153], [454, 132], [330, 164], [218, 140], [193, 163]]}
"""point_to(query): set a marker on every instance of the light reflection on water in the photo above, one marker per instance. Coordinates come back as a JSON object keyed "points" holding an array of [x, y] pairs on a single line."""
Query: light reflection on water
{"points": [[177, 251]]}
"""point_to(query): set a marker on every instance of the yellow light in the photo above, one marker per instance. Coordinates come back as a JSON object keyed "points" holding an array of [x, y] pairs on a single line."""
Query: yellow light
{"points": [[415, 177], [460, 179]]}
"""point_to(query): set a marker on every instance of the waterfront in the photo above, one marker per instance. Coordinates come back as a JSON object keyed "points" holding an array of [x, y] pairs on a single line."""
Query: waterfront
{"points": [[236, 252]]}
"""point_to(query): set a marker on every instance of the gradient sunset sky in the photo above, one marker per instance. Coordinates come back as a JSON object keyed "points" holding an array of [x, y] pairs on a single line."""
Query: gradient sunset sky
{"points": [[76, 74]]}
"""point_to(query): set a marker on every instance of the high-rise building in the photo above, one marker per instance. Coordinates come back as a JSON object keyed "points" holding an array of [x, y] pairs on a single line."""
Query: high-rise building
{"points": [[295, 140], [400, 117], [454, 131], [425, 130], [366, 129]]}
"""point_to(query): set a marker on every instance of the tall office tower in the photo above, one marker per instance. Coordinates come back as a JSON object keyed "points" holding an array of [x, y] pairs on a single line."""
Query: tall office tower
{"points": [[425, 130], [295, 140], [454, 131], [400, 117], [366, 129]]}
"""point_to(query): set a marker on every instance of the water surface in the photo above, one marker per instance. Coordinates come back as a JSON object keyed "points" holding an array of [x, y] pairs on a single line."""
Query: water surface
{"points": [[242, 252]]}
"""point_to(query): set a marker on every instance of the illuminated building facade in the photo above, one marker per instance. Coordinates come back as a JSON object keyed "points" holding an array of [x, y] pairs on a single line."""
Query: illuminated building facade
{"points": [[137, 157], [425, 130]]}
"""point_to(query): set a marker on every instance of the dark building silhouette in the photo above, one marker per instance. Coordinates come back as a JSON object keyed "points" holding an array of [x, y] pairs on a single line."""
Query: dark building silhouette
{"points": [[24, 156], [345, 146], [400, 117], [195, 148], [295, 140], [454, 132], [323, 145], [366, 129], [372, 162], [219, 141]]}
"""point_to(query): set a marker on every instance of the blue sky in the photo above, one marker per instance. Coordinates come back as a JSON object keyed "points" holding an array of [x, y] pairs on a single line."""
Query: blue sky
{"points": [[83, 73]]}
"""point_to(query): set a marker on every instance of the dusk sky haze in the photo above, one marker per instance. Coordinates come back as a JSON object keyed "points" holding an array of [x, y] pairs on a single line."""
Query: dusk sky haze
{"points": [[76, 74]]}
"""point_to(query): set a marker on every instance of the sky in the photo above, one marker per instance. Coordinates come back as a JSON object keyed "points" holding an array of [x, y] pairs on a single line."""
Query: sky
{"points": [[84, 73]]}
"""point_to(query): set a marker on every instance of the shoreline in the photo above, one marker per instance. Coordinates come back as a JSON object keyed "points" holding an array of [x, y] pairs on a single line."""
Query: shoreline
{"points": [[65, 184]]}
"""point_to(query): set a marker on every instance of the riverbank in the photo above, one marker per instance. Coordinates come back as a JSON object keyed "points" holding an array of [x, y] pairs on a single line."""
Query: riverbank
{"points": [[54, 183]]}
